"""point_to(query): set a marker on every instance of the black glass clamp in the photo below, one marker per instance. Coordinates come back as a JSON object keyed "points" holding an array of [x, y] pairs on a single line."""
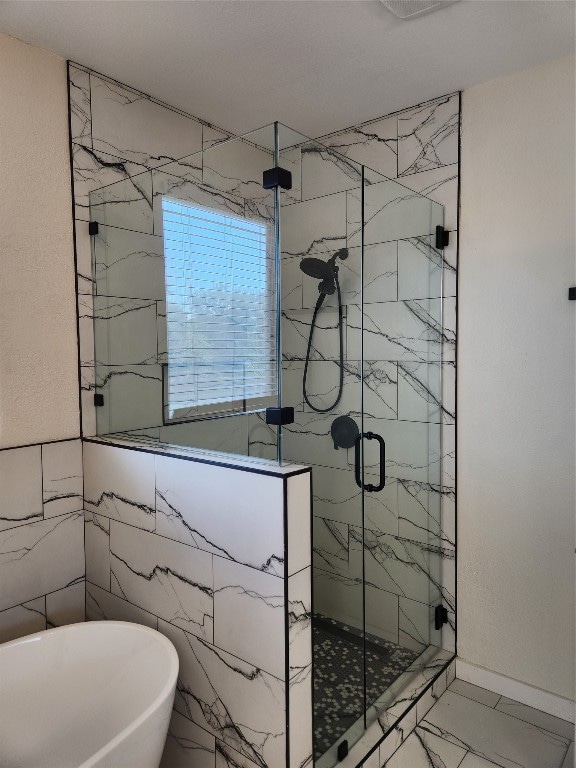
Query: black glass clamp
{"points": [[440, 616], [279, 416], [442, 238], [93, 227], [572, 293], [98, 400], [277, 177]]}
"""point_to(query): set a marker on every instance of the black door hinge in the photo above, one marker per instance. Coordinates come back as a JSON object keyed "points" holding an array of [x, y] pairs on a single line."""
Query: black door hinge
{"points": [[98, 400], [342, 750], [93, 227], [440, 617], [277, 177], [442, 238]]}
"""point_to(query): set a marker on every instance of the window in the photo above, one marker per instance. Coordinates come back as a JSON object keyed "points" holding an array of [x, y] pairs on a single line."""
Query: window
{"points": [[219, 313]]}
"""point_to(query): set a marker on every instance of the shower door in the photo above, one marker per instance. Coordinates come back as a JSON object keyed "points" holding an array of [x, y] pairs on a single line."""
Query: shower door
{"points": [[362, 350]]}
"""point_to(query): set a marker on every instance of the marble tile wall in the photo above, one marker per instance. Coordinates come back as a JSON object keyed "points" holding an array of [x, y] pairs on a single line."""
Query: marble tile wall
{"points": [[409, 320], [41, 538], [198, 551]]}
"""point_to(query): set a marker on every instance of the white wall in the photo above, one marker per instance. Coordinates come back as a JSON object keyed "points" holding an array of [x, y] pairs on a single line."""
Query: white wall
{"points": [[38, 357], [516, 382]]}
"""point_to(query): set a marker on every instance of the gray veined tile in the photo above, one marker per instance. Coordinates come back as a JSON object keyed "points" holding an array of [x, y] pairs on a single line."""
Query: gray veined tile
{"points": [[441, 186], [62, 477], [236, 167], [426, 391], [419, 512], [326, 171], [262, 438], [208, 506], [119, 484], [187, 744], [244, 599], [325, 341], [299, 512], [84, 258], [125, 331], [422, 750], [21, 483], [537, 718], [569, 761], [163, 577], [292, 277], [40, 557], [66, 606], [428, 135], [132, 397], [414, 624], [308, 440], [235, 701], [300, 629], [131, 126], [493, 735], [373, 144], [474, 761], [474, 692], [97, 548], [23, 620], [128, 264], [331, 545], [314, 227], [126, 203], [80, 112], [338, 596], [101, 605], [226, 757], [420, 269]]}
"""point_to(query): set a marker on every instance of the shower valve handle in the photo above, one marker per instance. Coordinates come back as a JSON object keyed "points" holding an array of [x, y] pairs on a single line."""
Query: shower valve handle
{"points": [[369, 487]]}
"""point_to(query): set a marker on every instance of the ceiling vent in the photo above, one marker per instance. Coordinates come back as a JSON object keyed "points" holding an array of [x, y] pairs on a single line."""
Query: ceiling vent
{"points": [[409, 9]]}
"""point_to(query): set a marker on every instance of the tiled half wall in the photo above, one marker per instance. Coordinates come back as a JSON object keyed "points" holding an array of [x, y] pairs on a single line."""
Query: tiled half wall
{"points": [[199, 552]]}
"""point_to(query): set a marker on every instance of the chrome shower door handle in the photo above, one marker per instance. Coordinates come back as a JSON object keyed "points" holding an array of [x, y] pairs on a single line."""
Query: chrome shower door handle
{"points": [[382, 445]]}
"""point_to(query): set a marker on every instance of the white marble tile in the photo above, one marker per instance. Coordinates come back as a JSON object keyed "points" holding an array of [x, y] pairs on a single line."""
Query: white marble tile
{"points": [[208, 506], [262, 438], [331, 546], [569, 760], [373, 144], [428, 135], [132, 397], [87, 387], [381, 613], [397, 736], [296, 332], [314, 227], [249, 615], [426, 391], [308, 441], [474, 761], [80, 111], [419, 510], [189, 167], [292, 280], [129, 125], [325, 171], [86, 333], [67, 606], [430, 696], [128, 264], [187, 744], [421, 750], [420, 268], [126, 203], [83, 241], [339, 597], [226, 757], [441, 186], [97, 548], [62, 477], [23, 620], [40, 557], [226, 435], [119, 484], [391, 212], [414, 624], [299, 512], [236, 167], [125, 331], [235, 701], [163, 577], [101, 605], [481, 695], [534, 716], [493, 735], [401, 330], [21, 483]]}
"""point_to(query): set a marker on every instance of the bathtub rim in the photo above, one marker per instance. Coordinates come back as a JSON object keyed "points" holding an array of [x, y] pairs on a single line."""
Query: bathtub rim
{"points": [[167, 691]]}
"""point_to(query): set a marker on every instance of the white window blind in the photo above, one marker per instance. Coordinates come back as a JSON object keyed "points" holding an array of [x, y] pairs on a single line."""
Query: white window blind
{"points": [[219, 312]]}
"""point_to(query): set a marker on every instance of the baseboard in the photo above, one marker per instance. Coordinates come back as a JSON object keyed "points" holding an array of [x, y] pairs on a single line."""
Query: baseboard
{"points": [[514, 689]]}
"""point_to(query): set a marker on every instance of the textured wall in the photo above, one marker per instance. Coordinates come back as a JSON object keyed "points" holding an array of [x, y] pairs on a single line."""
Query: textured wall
{"points": [[38, 364], [516, 378]]}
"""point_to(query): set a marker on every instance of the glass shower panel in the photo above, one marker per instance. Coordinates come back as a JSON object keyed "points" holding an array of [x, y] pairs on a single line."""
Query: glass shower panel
{"points": [[400, 332], [321, 282], [184, 267]]}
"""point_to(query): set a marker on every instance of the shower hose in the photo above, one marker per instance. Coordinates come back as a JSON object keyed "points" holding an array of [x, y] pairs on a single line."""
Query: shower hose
{"points": [[319, 303]]}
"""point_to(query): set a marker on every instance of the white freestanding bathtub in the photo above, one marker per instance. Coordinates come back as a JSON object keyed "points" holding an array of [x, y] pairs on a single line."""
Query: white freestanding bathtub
{"points": [[94, 695]]}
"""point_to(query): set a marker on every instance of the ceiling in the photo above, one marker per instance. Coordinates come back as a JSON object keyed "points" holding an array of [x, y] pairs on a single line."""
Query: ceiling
{"points": [[316, 65]]}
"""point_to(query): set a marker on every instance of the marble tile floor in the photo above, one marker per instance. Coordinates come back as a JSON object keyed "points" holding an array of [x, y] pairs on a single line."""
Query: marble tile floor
{"points": [[471, 727]]}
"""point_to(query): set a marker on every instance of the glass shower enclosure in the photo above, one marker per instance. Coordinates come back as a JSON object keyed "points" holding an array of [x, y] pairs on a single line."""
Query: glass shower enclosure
{"points": [[219, 301]]}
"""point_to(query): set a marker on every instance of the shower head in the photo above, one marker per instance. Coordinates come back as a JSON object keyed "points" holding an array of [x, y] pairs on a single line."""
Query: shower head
{"points": [[322, 270]]}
